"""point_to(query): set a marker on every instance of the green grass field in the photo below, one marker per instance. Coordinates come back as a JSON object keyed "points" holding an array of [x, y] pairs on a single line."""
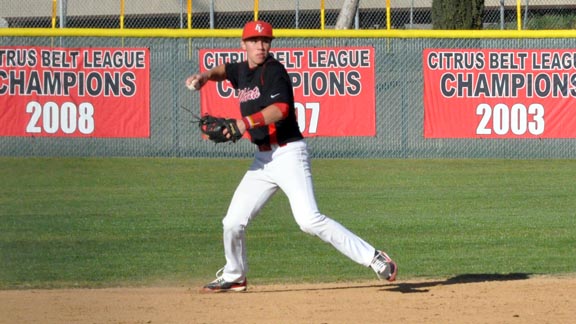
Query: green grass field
{"points": [[94, 222]]}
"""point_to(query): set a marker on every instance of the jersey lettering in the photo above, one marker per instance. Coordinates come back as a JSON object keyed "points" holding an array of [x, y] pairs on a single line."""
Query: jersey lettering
{"points": [[248, 94]]}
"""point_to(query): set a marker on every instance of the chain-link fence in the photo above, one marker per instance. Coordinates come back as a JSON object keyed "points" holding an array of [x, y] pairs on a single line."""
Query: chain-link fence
{"points": [[305, 14], [398, 69], [399, 105]]}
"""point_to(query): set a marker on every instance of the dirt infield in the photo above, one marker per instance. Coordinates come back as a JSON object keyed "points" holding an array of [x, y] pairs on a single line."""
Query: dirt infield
{"points": [[463, 299]]}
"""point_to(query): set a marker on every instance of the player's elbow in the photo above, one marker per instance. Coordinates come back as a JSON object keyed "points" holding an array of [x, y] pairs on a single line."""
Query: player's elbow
{"points": [[283, 109]]}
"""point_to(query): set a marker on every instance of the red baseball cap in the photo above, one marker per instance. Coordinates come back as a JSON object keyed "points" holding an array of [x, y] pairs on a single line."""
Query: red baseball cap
{"points": [[257, 28]]}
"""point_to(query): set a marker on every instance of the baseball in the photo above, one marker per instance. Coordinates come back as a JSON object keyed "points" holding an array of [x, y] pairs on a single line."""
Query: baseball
{"points": [[193, 85]]}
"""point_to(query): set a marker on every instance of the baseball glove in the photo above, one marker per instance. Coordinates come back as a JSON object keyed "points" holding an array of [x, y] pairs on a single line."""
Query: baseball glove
{"points": [[213, 128]]}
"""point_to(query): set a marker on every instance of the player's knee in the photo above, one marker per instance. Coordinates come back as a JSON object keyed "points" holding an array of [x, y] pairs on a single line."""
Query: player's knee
{"points": [[231, 224], [312, 224]]}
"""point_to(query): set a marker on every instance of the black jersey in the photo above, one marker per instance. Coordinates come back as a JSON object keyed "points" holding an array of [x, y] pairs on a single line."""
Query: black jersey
{"points": [[259, 88]]}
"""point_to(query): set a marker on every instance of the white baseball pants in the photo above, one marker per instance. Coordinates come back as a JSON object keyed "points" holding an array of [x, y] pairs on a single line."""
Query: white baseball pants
{"points": [[287, 168]]}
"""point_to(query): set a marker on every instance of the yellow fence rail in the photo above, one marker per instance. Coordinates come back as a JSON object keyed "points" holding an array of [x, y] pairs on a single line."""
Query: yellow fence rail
{"points": [[286, 33]]}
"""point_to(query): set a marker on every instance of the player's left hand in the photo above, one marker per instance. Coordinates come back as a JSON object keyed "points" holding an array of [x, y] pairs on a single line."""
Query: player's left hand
{"points": [[220, 130]]}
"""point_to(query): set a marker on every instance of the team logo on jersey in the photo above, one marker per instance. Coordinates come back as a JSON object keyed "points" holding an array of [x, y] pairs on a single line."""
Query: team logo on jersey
{"points": [[248, 94]]}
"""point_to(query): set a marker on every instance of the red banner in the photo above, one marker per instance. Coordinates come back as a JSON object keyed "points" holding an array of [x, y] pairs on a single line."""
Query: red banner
{"points": [[498, 93], [333, 88], [74, 92]]}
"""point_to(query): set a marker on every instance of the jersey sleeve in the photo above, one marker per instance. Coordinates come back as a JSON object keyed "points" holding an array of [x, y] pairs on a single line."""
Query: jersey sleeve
{"points": [[232, 73]]}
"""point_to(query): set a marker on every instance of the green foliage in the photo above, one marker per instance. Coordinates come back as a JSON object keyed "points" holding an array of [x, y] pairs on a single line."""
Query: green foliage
{"points": [[548, 22], [114, 222], [560, 21], [457, 14]]}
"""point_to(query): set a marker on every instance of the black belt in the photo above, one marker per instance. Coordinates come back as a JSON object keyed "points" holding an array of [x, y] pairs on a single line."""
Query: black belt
{"points": [[268, 147]]}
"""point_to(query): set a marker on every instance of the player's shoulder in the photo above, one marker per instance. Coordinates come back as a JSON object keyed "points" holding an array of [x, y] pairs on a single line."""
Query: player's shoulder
{"points": [[274, 67], [232, 66], [236, 65], [274, 63]]}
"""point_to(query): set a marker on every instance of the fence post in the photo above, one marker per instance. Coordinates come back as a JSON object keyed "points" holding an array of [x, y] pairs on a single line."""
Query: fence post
{"points": [[212, 14], [297, 15], [501, 14], [62, 12], [525, 15]]}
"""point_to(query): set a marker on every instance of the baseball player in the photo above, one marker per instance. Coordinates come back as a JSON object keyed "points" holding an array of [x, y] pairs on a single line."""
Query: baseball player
{"points": [[281, 162]]}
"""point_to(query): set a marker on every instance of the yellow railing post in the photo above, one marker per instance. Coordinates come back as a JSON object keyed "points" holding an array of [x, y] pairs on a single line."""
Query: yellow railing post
{"points": [[189, 14], [322, 14], [388, 20], [388, 24], [122, 3], [121, 14], [255, 9], [519, 13], [189, 25], [54, 6]]}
